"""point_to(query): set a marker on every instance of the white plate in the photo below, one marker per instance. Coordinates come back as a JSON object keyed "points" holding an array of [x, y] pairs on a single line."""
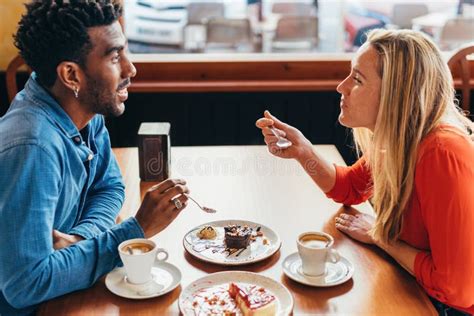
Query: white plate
{"points": [[284, 300], [256, 251], [336, 273], [166, 277]]}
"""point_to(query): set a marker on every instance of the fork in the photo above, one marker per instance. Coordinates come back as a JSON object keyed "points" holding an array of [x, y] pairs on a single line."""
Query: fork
{"points": [[204, 208]]}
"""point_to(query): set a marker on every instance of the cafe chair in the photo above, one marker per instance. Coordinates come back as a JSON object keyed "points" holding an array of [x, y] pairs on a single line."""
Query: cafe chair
{"points": [[455, 33], [224, 35], [403, 13], [194, 32], [459, 62], [296, 33], [200, 12], [11, 76], [293, 8]]}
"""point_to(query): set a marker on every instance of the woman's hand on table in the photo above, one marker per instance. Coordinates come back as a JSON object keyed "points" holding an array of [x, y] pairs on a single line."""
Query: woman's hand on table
{"points": [[161, 204], [356, 226], [301, 147]]}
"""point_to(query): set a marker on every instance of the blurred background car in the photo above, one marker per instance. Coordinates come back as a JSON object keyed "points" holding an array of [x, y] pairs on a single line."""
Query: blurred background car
{"points": [[163, 22]]}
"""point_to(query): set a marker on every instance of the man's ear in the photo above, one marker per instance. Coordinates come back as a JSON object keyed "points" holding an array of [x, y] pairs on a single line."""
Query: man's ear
{"points": [[70, 75]]}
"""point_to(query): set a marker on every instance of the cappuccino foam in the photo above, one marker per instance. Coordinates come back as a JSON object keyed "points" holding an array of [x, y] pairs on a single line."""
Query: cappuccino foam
{"points": [[137, 248], [314, 241]]}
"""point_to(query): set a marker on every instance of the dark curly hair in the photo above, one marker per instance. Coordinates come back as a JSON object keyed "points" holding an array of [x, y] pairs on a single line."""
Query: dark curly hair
{"points": [[53, 31]]}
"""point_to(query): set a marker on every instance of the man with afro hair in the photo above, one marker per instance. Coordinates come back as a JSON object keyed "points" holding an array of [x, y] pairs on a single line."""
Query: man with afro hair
{"points": [[61, 187]]}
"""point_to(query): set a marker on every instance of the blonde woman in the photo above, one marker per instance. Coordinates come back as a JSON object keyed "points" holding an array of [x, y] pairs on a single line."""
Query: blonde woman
{"points": [[416, 164]]}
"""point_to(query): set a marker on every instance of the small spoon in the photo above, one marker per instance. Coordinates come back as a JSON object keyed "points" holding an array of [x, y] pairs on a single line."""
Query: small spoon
{"points": [[282, 142], [204, 208]]}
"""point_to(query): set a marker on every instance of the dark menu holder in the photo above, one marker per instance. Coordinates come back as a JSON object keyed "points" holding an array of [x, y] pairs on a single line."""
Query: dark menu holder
{"points": [[154, 151]]}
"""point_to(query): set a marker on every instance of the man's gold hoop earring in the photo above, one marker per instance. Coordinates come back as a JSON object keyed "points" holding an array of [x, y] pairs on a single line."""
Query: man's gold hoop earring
{"points": [[76, 92]]}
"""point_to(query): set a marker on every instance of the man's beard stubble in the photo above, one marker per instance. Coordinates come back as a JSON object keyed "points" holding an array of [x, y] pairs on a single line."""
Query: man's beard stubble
{"points": [[99, 101]]}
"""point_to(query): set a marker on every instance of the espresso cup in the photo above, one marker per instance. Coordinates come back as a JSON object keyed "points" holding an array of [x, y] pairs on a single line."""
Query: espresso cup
{"points": [[315, 250], [138, 256]]}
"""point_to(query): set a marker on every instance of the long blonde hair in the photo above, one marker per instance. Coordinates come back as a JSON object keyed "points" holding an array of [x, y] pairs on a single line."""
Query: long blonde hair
{"points": [[416, 95]]}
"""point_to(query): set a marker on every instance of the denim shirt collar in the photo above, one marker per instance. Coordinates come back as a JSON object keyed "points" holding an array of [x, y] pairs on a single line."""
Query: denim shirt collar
{"points": [[41, 97]]}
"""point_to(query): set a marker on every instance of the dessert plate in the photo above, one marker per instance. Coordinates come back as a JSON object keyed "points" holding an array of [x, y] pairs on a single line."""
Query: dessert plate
{"points": [[214, 250], [165, 278], [283, 298], [336, 273]]}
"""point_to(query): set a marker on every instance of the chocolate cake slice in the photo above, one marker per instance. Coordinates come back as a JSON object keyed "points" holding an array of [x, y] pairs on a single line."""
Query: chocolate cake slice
{"points": [[237, 236]]}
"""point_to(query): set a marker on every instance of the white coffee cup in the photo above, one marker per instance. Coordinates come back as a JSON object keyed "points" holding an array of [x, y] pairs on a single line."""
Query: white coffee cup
{"points": [[138, 256], [314, 249]]}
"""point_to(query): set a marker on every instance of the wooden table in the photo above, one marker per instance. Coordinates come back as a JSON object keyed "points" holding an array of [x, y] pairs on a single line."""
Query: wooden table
{"points": [[245, 182]]}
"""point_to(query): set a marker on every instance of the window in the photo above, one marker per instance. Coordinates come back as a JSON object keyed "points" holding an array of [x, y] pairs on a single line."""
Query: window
{"points": [[268, 26]]}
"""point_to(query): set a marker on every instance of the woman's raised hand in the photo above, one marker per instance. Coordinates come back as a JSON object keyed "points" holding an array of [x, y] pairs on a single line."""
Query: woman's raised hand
{"points": [[322, 172], [300, 147]]}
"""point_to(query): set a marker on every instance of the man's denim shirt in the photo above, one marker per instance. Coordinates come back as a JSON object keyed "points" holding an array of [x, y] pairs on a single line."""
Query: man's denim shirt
{"points": [[53, 178]]}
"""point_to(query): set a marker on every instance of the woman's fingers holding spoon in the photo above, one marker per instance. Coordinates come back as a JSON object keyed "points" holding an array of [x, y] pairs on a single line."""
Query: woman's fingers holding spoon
{"points": [[270, 130], [264, 122], [282, 141]]}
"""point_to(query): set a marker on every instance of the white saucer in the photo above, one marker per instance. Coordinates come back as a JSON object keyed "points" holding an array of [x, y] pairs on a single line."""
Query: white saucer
{"points": [[165, 278], [336, 273]]}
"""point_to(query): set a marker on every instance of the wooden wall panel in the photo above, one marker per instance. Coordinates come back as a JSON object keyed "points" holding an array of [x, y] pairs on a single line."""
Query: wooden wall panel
{"points": [[239, 76], [244, 76]]}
